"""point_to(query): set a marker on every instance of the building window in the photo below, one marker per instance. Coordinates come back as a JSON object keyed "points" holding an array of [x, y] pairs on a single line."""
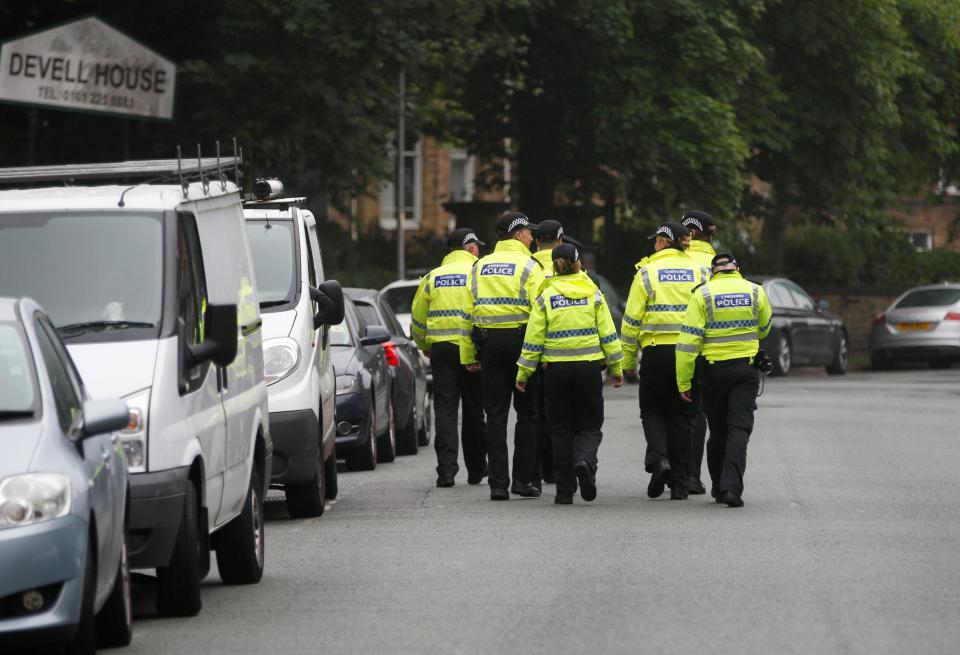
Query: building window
{"points": [[412, 177], [461, 175], [921, 239]]}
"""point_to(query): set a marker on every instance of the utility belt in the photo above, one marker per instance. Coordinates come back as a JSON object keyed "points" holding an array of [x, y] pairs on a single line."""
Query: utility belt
{"points": [[761, 361], [480, 335]]}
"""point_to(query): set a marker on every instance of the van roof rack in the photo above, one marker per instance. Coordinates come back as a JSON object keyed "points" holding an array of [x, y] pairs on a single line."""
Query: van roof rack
{"points": [[275, 203]]}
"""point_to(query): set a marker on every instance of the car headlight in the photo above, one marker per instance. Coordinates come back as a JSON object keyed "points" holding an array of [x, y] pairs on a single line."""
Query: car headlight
{"points": [[280, 358], [347, 384], [133, 438], [33, 497]]}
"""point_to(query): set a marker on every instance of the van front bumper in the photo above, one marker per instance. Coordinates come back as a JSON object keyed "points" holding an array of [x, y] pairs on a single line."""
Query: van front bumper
{"points": [[296, 446], [156, 504]]}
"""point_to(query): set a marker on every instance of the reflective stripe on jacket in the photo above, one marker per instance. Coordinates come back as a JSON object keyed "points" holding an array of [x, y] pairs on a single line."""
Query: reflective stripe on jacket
{"points": [[570, 322], [657, 302], [726, 319], [438, 311], [502, 287]]}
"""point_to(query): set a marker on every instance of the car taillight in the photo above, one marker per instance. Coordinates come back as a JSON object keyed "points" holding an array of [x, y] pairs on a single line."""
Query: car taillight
{"points": [[390, 350], [880, 319], [952, 316]]}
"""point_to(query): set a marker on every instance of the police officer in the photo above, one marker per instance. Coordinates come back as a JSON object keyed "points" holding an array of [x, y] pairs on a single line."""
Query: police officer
{"points": [[502, 286], [571, 331], [655, 309], [438, 322], [725, 321], [702, 230], [549, 235]]}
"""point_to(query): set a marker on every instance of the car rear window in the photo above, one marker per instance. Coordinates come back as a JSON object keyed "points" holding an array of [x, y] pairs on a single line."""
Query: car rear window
{"points": [[930, 298], [400, 299], [17, 383]]}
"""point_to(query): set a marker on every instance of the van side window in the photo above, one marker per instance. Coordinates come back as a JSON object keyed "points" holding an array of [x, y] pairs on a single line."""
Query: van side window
{"points": [[65, 395], [311, 267], [191, 282]]}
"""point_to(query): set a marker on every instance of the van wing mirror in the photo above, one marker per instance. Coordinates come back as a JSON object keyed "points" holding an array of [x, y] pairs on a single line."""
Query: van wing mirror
{"points": [[102, 416], [376, 334], [329, 295], [219, 343]]}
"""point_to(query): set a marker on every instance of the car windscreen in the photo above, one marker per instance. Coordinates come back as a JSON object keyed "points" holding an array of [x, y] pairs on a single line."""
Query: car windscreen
{"points": [[93, 273], [273, 249], [400, 299], [17, 378], [930, 298], [368, 314], [340, 334]]}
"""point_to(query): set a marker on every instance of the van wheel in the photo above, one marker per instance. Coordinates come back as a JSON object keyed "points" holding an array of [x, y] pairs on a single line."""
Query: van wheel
{"points": [[838, 366], [426, 426], [84, 642], [115, 620], [240, 545], [365, 457], [387, 442], [783, 356], [330, 475], [306, 500], [407, 440], [178, 583]]}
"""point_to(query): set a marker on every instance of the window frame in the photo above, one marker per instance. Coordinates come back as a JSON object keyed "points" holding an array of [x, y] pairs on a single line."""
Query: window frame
{"points": [[45, 331], [387, 197], [193, 378]]}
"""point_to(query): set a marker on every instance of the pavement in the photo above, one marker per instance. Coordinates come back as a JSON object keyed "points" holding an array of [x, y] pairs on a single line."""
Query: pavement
{"points": [[849, 543]]}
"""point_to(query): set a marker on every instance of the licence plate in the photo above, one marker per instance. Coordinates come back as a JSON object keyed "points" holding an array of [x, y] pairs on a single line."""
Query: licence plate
{"points": [[915, 326]]}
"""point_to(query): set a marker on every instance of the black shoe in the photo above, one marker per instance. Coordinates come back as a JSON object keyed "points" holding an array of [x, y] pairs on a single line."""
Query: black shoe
{"points": [[587, 480], [678, 491], [477, 479], [525, 489], [731, 499], [659, 478], [695, 487], [445, 480], [499, 494], [716, 494], [563, 499]]}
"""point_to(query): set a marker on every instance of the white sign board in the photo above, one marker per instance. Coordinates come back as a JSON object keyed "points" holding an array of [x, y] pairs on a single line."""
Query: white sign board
{"points": [[89, 66]]}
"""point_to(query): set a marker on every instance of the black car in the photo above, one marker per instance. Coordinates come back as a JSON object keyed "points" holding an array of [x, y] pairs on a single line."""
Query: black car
{"points": [[365, 425], [804, 333], [411, 401]]}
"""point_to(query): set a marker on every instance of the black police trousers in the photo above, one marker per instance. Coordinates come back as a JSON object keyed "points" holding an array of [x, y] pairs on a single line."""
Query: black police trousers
{"points": [[730, 399], [699, 424], [667, 420], [498, 361], [575, 413], [545, 465], [453, 385]]}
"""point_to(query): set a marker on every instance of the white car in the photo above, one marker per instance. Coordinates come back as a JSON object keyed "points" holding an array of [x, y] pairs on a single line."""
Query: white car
{"points": [[152, 288], [399, 295], [296, 344]]}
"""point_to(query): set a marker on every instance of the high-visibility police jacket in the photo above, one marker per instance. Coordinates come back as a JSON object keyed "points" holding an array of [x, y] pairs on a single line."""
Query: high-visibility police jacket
{"points": [[658, 302], [545, 257], [570, 322], [726, 319], [438, 311], [703, 252], [502, 286]]}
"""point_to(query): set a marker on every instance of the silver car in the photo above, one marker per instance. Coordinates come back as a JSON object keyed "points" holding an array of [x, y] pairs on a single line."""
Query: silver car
{"points": [[64, 577], [922, 324]]}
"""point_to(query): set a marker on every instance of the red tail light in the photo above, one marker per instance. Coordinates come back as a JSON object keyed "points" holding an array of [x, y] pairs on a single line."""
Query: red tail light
{"points": [[952, 316], [881, 319], [390, 350]]}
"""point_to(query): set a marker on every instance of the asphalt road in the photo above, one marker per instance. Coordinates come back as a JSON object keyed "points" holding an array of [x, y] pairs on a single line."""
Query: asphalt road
{"points": [[849, 543]]}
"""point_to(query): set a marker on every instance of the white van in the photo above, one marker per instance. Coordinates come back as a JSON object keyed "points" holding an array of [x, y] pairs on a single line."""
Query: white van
{"points": [[152, 289], [300, 380]]}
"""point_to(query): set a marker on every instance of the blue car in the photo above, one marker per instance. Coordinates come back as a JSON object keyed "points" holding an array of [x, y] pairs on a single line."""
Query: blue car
{"points": [[64, 577]]}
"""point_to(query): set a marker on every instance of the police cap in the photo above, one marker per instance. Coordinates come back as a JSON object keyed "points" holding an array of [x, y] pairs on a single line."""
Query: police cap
{"points": [[723, 261], [510, 222], [671, 231], [462, 236], [698, 220], [566, 251], [550, 230]]}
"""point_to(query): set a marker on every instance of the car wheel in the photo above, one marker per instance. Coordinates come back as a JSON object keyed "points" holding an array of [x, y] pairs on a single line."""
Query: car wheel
{"points": [[388, 440], [841, 356], [330, 475], [940, 363], [306, 500], [365, 457], [782, 357], [407, 440], [426, 426], [880, 362], [115, 620], [178, 583], [84, 642], [240, 544]]}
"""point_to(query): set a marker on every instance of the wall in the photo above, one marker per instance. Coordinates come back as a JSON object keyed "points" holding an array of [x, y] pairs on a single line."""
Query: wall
{"points": [[857, 308]]}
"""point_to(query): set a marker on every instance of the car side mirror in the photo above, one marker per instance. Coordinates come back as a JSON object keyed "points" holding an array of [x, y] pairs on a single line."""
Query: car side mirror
{"points": [[376, 334], [102, 416], [329, 295], [219, 343], [823, 305]]}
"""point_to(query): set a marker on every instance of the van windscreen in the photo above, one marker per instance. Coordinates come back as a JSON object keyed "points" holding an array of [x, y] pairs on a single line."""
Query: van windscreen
{"points": [[92, 273], [272, 249]]}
